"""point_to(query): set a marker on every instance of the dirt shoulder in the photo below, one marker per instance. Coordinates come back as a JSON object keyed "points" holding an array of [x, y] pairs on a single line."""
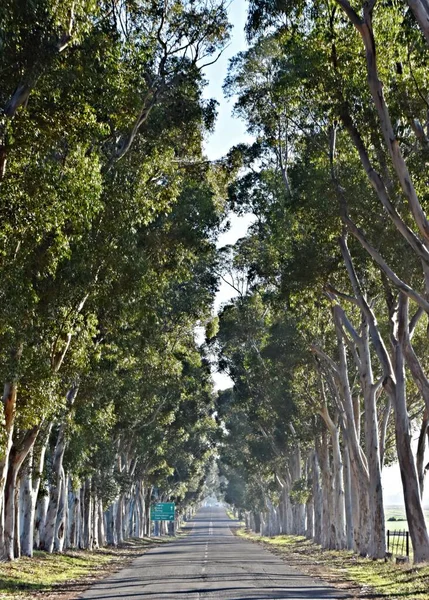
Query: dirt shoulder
{"points": [[362, 577], [65, 576]]}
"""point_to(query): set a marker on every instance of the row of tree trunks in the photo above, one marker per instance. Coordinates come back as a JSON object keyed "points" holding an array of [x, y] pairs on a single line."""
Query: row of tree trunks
{"points": [[346, 505], [30, 485], [331, 515], [58, 517]]}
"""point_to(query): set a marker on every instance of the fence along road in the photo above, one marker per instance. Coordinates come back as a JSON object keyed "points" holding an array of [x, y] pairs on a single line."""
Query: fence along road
{"points": [[210, 563]]}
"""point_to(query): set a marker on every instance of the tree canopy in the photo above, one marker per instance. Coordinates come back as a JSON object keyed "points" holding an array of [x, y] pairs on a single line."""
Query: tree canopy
{"points": [[110, 214]]}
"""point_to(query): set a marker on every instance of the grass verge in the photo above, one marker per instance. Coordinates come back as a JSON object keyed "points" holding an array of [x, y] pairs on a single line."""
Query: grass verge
{"points": [[231, 515], [361, 576], [64, 576]]}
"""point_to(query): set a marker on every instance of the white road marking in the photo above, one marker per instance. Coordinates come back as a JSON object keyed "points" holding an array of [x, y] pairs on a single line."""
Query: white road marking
{"points": [[206, 552]]}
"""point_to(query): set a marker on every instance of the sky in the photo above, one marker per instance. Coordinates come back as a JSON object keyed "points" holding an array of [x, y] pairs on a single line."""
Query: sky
{"points": [[230, 131]]}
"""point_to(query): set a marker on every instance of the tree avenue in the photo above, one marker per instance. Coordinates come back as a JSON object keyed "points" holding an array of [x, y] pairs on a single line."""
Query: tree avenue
{"points": [[327, 346], [109, 219]]}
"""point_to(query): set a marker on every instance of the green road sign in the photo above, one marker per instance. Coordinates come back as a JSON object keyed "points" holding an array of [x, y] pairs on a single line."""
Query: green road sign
{"points": [[163, 511]]}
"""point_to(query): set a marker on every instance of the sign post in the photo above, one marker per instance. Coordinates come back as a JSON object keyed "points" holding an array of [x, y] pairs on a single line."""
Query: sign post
{"points": [[163, 511]]}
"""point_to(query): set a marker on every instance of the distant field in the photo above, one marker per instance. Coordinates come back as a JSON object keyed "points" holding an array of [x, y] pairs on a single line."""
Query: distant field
{"points": [[398, 513]]}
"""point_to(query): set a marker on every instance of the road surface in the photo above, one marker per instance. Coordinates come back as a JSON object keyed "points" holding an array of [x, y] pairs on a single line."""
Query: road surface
{"points": [[210, 564]]}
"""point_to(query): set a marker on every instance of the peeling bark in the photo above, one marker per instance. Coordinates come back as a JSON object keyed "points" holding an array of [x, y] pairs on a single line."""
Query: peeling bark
{"points": [[17, 456], [421, 467], [318, 501], [338, 480], [31, 485]]}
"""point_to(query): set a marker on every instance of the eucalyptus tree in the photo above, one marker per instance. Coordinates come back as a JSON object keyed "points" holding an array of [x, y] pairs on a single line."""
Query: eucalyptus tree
{"points": [[259, 347], [102, 115], [317, 115]]}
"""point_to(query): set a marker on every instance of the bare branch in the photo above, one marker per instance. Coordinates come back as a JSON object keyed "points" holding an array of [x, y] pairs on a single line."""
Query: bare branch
{"points": [[401, 285], [350, 12]]}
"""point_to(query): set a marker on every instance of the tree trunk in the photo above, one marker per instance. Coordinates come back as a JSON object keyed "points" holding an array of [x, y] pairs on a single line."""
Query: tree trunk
{"points": [[27, 506], [55, 491], [377, 548], [298, 508], [338, 480], [141, 532], [95, 517], [41, 510], [351, 428], [420, 10], [82, 516], [383, 428], [421, 467], [309, 514], [147, 511], [348, 498], [101, 530], [111, 525], [318, 501], [61, 520], [17, 535], [119, 520], [87, 521], [9, 407], [57, 474], [74, 509], [413, 506], [323, 460], [30, 491], [17, 456]]}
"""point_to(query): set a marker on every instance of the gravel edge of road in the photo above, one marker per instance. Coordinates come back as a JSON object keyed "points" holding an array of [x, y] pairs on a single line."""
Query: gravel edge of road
{"points": [[312, 569]]}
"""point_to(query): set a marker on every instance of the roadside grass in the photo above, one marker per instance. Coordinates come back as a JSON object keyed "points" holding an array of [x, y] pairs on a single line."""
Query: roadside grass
{"points": [[376, 579], [234, 518], [68, 574], [230, 514]]}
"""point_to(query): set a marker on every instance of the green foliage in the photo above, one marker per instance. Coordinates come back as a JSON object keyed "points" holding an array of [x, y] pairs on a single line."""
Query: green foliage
{"points": [[300, 491], [109, 215], [301, 88]]}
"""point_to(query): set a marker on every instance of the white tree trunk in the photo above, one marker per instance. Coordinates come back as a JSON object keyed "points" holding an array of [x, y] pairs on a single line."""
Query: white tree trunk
{"points": [[101, 528], [61, 521], [87, 517], [55, 491], [17, 456], [348, 498], [30, 490], [111, 525], [377, 544], [327, 497], [339, 522], [119, 520], [82, 516], [41, 510], [413, 506], [71, 537], [317, 500]]}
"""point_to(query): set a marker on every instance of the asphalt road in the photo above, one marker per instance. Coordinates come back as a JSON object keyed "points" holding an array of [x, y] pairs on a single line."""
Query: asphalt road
{"points": [[210, 563]]}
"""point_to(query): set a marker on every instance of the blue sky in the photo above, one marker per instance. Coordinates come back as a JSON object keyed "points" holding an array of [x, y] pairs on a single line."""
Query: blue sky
{"points": [[229, 131]]}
